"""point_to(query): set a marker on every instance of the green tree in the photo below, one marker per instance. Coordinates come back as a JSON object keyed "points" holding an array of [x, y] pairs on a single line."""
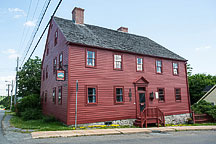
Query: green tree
{"points": [[197, 83], [29, 78], [189, 70]]}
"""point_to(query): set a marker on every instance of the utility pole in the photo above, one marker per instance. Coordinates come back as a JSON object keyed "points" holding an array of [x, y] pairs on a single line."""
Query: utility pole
{"points": [[76, 104], [8, 92], [11, 95], [17, 68]]}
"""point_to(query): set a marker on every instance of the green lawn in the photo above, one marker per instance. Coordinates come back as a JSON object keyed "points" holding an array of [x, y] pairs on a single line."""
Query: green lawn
{"points": [[41, 125], [38, 125]]}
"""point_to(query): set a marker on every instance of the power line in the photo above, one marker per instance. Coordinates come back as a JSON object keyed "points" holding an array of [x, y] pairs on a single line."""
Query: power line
{"points": [[27, 32], [45, 28], [35, 9], [25, 22], [36, 28]]}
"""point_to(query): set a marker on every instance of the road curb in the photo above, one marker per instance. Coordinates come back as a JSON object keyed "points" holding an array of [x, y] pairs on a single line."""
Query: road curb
{"points": [[95, 132]]}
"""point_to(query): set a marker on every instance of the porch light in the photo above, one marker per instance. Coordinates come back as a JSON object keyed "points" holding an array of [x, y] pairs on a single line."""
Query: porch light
{"points": [[151, 95]]}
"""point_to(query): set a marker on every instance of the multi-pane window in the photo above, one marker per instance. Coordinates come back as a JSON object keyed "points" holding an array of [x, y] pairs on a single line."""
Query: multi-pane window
{"points": [[60, 95], [158, 66], [46, 71], [117, 61], [47, 47], [91, 95], [43, 74], [175, 68], [42, 97], [178, 94], [60, 60], [54, 65], [54, 95], [56, 37], [139, 64], [161, 94], [45, 99], [119, 94], [90, 58]]}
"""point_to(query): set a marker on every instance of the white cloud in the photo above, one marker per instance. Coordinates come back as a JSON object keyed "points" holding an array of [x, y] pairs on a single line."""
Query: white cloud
{"points": [[13, 56], [29, 24], [17, 12], [12, 53], [203, 48], [17, 16]]}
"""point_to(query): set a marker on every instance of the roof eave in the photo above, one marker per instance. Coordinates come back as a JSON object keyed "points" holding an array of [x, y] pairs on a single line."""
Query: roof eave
{"points": [[207, 93], [79, 44]]}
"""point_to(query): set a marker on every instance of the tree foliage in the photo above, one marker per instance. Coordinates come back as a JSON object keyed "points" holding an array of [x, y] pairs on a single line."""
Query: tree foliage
{"points": [[29, 78], [197, 83], [5, 102], [189, 70], [204, 107]]}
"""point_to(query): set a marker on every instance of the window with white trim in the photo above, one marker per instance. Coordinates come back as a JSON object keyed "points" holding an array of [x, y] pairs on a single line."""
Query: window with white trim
{"points": [[117, 61], [91, 93], [158, 66], [175, 68], [90, 58], [139, 64]]}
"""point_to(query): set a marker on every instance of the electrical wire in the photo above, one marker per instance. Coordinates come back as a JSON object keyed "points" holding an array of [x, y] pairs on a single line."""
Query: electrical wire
{"points": [[36, 29], [25, 27], [29, 27], [45, 28]]}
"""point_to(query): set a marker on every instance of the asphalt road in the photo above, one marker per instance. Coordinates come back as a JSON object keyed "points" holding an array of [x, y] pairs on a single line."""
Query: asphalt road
{"points": [[186, 137], [183, 137], [3, 140]]}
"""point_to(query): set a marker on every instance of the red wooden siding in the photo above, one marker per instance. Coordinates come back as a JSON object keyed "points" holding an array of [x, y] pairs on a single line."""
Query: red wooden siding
{"points": [[105, 78], [50, 108]]}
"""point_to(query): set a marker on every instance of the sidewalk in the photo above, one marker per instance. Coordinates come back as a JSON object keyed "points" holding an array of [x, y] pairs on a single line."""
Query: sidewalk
{"points": [[74, 133]]}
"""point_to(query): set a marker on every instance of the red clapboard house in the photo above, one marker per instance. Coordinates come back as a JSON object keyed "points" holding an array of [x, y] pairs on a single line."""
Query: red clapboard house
{"points": [[122, 77]]}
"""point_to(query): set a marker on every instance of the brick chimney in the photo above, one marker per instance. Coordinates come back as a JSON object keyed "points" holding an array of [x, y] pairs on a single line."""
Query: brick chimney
{"points": [[78, 15], [123, 29]]}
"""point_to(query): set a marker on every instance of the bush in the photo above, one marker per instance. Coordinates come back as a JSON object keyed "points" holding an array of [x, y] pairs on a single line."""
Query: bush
{"points": [[5, 102], [31, 114], [28, 102], [204, 107]]}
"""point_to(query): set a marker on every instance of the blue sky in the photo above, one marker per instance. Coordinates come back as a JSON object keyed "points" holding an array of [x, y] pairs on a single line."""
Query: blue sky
{"points": [[187, 27]]}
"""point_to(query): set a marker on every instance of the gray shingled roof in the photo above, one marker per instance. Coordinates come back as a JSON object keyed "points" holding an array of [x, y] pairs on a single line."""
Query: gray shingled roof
{"points": [[111, 39]]}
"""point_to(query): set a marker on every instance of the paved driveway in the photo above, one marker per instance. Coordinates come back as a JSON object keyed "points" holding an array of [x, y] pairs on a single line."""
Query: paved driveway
{"points": [[3, 140]]}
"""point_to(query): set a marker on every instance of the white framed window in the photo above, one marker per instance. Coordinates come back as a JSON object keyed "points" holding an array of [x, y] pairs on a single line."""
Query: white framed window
{"points": [[117, 61], [90, 58], [175, 68], [139, 64], [158, 66]]}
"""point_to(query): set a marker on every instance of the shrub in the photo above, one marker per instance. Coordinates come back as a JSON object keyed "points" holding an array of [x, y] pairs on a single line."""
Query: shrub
{"points": [[31, 114], [28, 102], [5, 102], [204, 107]]}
